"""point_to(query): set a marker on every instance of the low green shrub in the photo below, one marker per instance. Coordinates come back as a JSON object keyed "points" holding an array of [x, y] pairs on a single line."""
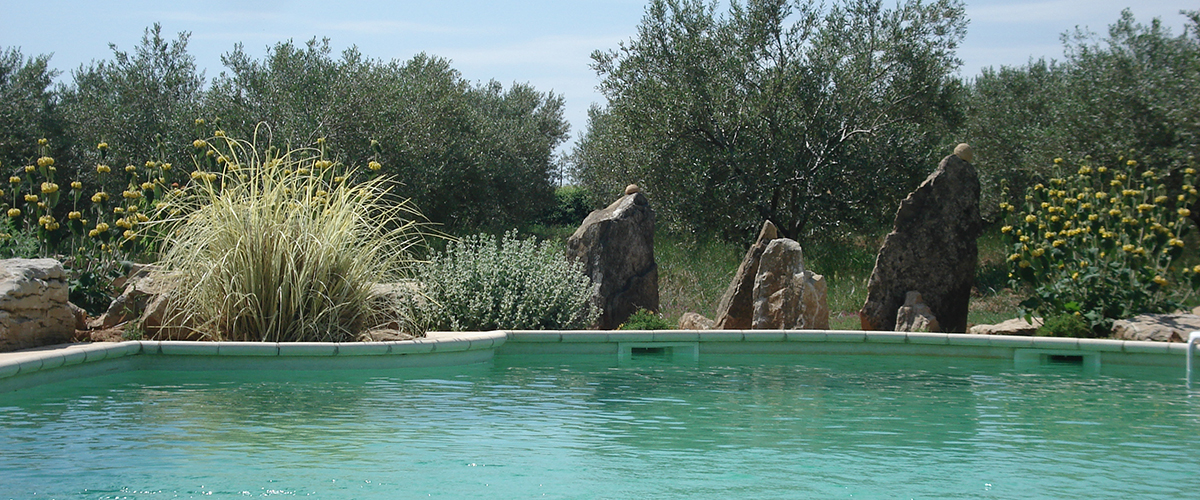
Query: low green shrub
{"points": [[1065, 325], [1104, 242], [273, 246], [480, 283], [644, 319]]}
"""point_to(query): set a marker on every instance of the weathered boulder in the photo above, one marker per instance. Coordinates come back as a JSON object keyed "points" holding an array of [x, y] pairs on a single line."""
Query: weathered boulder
{"points": [[615, 246], [1157, 327], [931, 249], [780, 286], [695, 321], [736, 308], [80, 315], [1016, 326], [814, 304], [33, 304], [915, 316], [140, 286], [383, 335]]}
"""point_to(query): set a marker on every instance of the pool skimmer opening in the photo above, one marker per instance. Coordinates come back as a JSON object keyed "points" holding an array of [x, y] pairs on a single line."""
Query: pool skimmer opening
{"points": [[674, 352], [1024, 359]]}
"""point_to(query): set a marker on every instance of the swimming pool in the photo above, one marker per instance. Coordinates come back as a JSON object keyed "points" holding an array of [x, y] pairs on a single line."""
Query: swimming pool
{"points": [[658, 423]]}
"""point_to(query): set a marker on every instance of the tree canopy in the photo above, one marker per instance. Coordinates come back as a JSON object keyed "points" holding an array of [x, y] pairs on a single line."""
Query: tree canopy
{"points": [[810, 116]]}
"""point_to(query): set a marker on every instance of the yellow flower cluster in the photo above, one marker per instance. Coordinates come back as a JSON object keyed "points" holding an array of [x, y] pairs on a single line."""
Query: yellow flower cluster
{"points": [[1134, 231]]}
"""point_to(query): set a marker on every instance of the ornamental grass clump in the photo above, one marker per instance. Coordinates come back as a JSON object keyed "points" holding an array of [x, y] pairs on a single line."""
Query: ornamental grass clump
{"points": [[1102, 243], [285, 246], [481, 284]]}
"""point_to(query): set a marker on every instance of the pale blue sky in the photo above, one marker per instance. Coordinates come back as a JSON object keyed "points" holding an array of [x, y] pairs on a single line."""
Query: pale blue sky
{"points": [[545, 43]]}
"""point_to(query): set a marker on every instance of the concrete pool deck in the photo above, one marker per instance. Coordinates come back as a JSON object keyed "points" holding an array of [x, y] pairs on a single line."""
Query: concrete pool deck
{"points": [[32, 367]]}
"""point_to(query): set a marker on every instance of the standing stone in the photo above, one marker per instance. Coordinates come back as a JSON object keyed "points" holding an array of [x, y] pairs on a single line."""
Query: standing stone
{"points": [[33, 304], [785, 296], [736, 308], [615, 245], [931, 249]]}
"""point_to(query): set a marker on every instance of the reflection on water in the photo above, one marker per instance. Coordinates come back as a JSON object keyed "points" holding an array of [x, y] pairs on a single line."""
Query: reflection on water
{"points": [[578, 427]]}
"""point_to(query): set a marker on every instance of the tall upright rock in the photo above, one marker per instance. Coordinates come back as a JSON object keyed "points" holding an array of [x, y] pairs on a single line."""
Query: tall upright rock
{"points": [[736, 309], [931, 249], [772, 290], [616, 248]]}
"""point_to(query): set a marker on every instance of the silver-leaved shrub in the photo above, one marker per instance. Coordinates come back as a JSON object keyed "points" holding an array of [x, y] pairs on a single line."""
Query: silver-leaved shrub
{"points": [[481, 283]]}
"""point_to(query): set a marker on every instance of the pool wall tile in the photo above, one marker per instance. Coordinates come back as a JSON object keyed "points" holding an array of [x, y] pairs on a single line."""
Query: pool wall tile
{"points": [[722, 336], [247, 348], [8, 368], [1146, 347], [452, 345], [534, 336], [886, 337], [74, 355], [806, 336], [926, 338], [845, 336], [1101, 345], [1067, 343], [30, 364], [185, 348], [1014, 341], [631, 336], [676, 336], [584, 337], [416, 346], [362, 348], [151, 346], [966, 339], [307, 349], [764, 335]]}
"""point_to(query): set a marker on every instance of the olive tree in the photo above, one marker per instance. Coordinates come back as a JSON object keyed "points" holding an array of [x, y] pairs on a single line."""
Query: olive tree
{"points": [[471, 155], [807, 115], [1129, 94]]}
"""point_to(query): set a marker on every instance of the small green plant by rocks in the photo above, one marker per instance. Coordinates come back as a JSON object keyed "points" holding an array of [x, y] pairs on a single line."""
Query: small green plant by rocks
{"points": [[1065, 325], [1102, 243], [644, 319], [481, 283]]}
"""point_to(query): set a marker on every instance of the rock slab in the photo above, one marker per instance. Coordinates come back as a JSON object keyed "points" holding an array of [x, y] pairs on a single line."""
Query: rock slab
{"points": [[931, 250], [694, 321], [1157, 327], [915, 315], [615, 246], [1015, 326], [34, 307]]}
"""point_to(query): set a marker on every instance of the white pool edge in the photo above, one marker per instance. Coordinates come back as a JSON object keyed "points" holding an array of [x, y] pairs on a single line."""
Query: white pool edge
{"points": [[33, 367]]}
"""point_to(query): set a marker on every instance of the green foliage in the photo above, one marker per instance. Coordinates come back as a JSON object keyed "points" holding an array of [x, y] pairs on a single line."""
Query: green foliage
{"points": [[481, 283], [572, 205], [1065, 325], [1103, 242], [1134, 89], [142, 104], [477, 155], [285, 246], [808, 116], [643, 319], [28, 110]]}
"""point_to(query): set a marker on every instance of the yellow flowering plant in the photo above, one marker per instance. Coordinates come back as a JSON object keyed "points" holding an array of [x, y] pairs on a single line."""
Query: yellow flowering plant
{"points": [[1101, 243]]}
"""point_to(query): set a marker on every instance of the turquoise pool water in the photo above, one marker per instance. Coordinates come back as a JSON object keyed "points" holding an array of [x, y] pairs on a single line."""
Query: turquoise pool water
{"points": [[578, 427]]}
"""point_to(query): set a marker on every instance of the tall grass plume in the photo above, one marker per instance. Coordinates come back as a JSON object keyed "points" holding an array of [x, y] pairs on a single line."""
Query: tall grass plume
{"points": [[285, 246]]}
